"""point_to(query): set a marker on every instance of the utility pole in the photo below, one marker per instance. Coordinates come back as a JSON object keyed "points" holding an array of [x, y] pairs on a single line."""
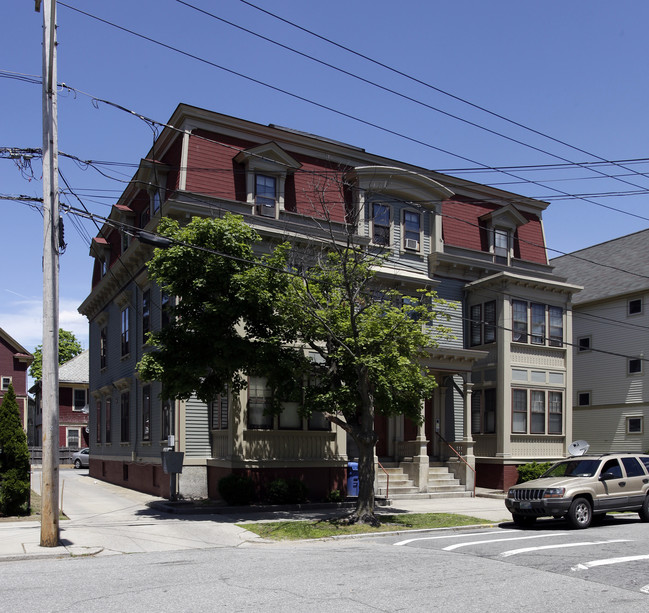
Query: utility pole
{"points": [[50, 381]]}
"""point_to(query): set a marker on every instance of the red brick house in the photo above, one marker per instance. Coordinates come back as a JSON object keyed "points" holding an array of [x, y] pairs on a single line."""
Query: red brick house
{"points": [[14, 362]]}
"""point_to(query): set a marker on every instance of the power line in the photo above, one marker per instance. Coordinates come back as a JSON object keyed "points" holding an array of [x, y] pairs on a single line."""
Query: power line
{"points": [[329, 108]]}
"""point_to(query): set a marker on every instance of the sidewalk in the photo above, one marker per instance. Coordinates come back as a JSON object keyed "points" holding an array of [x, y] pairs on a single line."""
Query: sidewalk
{"points": [[108, 520]]}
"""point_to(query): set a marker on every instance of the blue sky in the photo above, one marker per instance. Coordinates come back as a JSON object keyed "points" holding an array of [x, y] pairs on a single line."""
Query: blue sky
{"points": [[574, 71]]}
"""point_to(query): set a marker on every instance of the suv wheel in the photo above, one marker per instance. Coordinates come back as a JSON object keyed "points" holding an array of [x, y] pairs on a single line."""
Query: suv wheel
{"points": [[580, 513], [644, 509]]}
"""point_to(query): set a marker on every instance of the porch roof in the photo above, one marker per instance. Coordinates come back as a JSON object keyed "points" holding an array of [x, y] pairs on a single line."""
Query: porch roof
{"points": [[452, 359]]}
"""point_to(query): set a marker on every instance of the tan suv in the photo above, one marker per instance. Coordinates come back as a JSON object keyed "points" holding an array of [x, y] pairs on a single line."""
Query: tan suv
{"points": [[583, 489]]}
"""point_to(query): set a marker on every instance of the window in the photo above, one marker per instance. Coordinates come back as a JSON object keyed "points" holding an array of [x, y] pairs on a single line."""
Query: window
{"points": [[146, 314], [380, 224], [167, 419], [476, 324], [145, 216], [583, 343], [411, 230], [555, 320], [156, 201], [541, 318], [633, 467], [501, 246], [483, 328], [79, 400], [317, 421], [555, 410], [537, 410], [73, 438], [98, 418], [635, 366], [519, 317], [126, 241], [125, 332], [103, 267], [219, 411], [538, 324], [634, 425], [519, 408], [103, 339], [108, 419], [6, 382], [265, 195], [490, 411], [583, 399], [146, 413], [125, 429], [634, 307], [259, 397]]}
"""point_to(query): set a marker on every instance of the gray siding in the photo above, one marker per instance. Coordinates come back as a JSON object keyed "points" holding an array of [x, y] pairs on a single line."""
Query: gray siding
{"points": [[197, 431], [451, 290]]}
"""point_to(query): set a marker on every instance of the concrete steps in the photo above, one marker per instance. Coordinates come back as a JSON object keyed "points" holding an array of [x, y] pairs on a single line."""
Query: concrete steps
{"points": [[441, 483]]}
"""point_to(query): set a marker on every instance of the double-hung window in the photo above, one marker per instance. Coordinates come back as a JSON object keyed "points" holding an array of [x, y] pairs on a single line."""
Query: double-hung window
{"points": [[103, 340], [380, 224], [259, 398], [108, 420], [125, 332], [146, 314], [519, 411], [98, 420], [537, 410], [555, 410], [265, 195], [538, 324], [219, 411], [125, 414], [483, 323], [146, 413], [519, 321], [411, 230], [501, 246], [79, 400]]}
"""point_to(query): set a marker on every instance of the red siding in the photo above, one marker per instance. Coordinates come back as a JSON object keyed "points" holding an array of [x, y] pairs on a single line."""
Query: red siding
{"points": [[462, 228]]}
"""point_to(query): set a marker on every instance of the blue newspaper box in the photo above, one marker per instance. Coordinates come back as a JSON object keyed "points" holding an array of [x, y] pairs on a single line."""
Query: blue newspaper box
{"points": [[352, 478]]}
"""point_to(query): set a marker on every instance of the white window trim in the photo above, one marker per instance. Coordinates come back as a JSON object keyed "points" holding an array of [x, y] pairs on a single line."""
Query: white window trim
{"points": [[390, 222], [404, 245], [629, 418], [590, 398], [2, 382], [628, 307]]}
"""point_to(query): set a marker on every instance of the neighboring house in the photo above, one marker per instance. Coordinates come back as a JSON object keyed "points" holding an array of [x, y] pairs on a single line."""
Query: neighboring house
{"points": [[73, 404], [14, 362], [611, 342], [504, 380]]}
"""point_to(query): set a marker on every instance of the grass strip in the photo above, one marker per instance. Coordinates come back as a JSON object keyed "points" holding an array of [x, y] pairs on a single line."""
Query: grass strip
{"points": [[323, 528]]}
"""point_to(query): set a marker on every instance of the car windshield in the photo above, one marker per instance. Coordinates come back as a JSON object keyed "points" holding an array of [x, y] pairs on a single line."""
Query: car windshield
{"points": [[573, 468]]}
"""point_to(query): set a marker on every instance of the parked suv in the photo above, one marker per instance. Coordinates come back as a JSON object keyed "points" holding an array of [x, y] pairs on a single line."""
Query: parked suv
{"points": [[583, 489]]}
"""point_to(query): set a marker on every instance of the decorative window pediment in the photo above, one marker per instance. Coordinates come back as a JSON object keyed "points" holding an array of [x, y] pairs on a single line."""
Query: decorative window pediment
{"points": [[267, 166], [506, 217], [501, 224]]}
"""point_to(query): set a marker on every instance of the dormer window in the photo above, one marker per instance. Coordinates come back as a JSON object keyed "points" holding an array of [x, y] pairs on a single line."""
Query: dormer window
{"points": [[411, 231], [265, 195], [267, 167], [501, 246], [501, 225]]}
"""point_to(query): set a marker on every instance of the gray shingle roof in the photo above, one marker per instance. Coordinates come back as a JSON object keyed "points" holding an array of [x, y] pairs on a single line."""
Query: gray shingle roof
{"points": [[623, 256], [76, 370]]}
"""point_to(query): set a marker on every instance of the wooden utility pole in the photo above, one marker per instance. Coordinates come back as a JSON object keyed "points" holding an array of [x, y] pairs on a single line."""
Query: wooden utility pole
{"points": [[50, 380]]}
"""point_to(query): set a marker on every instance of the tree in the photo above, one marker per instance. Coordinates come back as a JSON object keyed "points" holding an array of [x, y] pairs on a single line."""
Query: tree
{"points": [[69, 347], [239, 314], [14, 458]]}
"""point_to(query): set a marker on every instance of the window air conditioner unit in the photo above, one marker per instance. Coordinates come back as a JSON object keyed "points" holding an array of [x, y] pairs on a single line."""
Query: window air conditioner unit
{"points": [[266, 206], [412, 243]]}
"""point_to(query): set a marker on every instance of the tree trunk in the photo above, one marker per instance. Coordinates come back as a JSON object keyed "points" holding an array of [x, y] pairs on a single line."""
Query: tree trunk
{"points": [[364, 512]]}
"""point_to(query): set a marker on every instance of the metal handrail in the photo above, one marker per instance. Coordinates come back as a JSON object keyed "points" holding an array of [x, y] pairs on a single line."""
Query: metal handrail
{"points": [[387, 483], [461, 458]]}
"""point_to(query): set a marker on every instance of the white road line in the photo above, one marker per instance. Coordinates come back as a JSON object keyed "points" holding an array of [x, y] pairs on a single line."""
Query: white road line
{"points": [[518, 538], [449, 536], [514, 552], [607, 561]]}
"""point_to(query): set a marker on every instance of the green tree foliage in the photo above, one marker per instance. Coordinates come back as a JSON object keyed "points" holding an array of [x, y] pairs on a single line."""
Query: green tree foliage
{"points": [[69, 347], [14, 458], [224, 325], [239, 314]]}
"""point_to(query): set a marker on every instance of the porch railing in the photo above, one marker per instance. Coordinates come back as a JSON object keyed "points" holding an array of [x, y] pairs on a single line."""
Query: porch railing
{"points": [[460, 457], [387, 477]]}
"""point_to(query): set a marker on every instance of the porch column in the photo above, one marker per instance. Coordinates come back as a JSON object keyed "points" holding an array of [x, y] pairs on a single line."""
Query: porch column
{"points": [[469, 470], [420, 461]]}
